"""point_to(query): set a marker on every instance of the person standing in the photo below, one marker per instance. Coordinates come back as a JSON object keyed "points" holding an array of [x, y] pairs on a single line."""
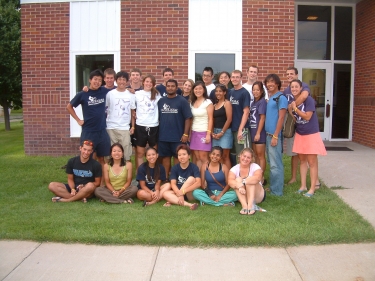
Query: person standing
{"points": [[252, 76], [207, 76], [168, 74], [276, 110], [174, 124], [240, 100]]}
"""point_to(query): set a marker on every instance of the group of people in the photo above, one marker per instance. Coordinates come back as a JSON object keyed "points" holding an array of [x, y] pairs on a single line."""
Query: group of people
{"points": [[205, 128]]}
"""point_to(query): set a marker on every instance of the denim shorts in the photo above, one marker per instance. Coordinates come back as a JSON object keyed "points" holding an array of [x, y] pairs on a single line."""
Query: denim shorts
{"points": [[226, 141]]}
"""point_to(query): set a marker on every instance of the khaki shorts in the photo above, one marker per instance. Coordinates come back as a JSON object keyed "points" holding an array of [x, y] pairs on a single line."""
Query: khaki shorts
{"points": [[289, 146], [122, 137]]}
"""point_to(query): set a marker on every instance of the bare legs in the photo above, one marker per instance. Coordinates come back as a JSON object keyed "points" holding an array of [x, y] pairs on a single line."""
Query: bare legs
{"points": [[225, 158], [171, 197], [260, 155], [148, 197], [166, 162], [293, 167], [200, 157], [254, 194], [59, 189], [312, 161]]}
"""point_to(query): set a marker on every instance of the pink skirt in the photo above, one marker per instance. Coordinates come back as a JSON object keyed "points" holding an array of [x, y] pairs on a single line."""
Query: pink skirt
{"points": [[309, 144], [196, 141]]}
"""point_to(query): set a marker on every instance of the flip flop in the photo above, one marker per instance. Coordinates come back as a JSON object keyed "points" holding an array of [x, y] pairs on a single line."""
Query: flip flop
{"points": [[56, 199], [243, 212], [299, 191], [167, 204], [130, 201], [317, 186], [144, 203], [231, 204], [251, 210], [194, 206], [308, 195]]}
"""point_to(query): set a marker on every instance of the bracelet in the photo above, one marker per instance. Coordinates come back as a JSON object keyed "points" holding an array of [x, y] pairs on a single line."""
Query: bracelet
{"points": [[295, 110], [183, 191], [113, 191], [208, 131], [131, 128], [222, 132], [275, 137], [185, 135]]}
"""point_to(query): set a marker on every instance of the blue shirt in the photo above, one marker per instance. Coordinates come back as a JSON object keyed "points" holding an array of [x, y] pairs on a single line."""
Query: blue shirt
{"points": [[172, 115], [239, 99], [273, 108], [181, 175], [149, 181], [93, 108]]}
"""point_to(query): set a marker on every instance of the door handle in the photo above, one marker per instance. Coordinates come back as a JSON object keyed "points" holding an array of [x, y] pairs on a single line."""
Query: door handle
{"points": [[328, 110]]}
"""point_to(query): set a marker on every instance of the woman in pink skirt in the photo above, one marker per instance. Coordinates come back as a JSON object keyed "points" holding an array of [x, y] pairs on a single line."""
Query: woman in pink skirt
{"points": [[307, 143], [201, 128]]}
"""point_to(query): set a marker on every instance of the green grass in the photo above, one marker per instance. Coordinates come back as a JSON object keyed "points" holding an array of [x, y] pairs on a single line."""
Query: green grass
{"points": [[27, 213]]}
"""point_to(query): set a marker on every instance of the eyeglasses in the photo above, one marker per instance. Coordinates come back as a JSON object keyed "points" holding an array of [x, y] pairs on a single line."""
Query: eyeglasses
{"points": [[86, 142], [206, 75]]}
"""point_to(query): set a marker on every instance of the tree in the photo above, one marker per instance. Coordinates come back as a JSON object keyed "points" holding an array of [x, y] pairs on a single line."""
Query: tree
{"points": [[10, 57]]}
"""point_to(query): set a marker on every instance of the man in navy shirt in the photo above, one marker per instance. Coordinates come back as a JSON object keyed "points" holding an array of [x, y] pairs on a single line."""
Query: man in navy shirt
{"points": [[93, 108], [240, 100], [168, 73], [174, 124]]}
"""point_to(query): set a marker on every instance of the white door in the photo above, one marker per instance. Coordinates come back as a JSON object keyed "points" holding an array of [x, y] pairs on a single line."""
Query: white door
{"points": [[319, 78]]}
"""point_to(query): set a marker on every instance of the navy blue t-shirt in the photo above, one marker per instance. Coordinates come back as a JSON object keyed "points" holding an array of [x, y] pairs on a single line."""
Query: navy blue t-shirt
{"points": [[307, 127], [172, 115], [257, 108], [181, 175], [239, 100], [93, 108], [142, 175], [163, 90]]}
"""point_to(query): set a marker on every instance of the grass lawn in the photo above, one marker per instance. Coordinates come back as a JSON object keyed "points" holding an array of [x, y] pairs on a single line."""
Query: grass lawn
{"points": [[27, 213]]}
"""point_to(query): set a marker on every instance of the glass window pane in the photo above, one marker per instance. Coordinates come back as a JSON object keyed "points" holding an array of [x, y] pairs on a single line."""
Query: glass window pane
{"points": [[87, 63], [314, 32], [341, 101], [343, 33], [218, 62]]}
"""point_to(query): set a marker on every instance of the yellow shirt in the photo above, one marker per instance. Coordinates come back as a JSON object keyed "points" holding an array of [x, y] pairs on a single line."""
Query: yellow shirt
{"points": [[118, 181]]}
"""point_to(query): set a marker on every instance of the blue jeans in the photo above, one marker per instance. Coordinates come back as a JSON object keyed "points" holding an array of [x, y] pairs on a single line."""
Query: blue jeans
{"points": [[275, 161]]}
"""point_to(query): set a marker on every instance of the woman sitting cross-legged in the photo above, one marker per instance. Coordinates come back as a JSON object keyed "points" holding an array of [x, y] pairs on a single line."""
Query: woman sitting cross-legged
{"points": [[184, 178], [245, 178], [118, 177], [150, 176], [214, 177]]}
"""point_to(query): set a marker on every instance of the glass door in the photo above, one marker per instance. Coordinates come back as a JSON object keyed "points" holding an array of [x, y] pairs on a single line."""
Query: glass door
{"points": [[319, 76]]}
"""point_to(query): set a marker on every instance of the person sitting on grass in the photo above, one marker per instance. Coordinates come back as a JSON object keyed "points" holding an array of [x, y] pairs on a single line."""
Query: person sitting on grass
{"points": [[84, 175], [150, 176], [184, 178], [118, 178], [245, 178], [214, 176]]}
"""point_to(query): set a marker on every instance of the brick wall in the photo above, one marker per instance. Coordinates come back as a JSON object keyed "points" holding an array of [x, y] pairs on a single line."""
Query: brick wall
{"points": [[159, 39], [364, 79], [268, 37], [45, 79]]}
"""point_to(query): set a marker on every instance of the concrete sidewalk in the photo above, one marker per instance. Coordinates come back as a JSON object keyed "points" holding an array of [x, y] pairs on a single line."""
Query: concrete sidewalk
{"points": [[352, 170]]}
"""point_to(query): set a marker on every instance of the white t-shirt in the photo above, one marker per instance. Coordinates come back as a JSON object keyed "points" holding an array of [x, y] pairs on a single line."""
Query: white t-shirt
{"points": [[200, 116], [249, 88], [210, 88], [147, 109], [253, 168], [119, 105]]}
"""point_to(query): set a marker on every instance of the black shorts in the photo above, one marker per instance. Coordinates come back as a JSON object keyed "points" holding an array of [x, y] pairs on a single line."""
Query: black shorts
{"points": [[144, 135]]}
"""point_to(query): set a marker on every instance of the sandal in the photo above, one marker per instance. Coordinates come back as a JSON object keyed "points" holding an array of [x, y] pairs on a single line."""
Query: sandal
{"points": [[299, 191], [308, 195], [243, 212], [194, 206], [56, 199], [251, 210], [231, 204]]}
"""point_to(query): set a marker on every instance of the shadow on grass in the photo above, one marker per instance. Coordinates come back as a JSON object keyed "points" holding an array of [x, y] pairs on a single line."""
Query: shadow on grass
{"points": [[28, 214]]}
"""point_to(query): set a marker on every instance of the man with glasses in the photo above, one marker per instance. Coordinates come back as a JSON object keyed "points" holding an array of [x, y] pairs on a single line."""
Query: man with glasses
{"points": [[84, 175], [207, 76]]}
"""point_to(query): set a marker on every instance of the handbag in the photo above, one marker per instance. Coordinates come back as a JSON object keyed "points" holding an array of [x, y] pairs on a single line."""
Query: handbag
{"points": [[289, 127]]}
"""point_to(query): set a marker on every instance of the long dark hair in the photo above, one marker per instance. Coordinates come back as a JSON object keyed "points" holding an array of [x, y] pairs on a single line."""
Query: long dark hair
{"points": [[156, 169], [224, 89], [260, 85], [111, 162], [154, 92], [193, 97]]}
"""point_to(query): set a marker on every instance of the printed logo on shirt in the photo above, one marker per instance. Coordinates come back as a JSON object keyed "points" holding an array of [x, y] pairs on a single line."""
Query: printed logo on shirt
{"points": [[167, 109], [82, 173], [253, 118], [164, 94], [149, 182], [94, 101], [299, 119], [181, 180], [233, 101]]}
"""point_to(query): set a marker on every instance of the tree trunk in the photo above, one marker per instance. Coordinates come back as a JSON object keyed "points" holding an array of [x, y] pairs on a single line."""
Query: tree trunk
{"points": [[6, 117]]}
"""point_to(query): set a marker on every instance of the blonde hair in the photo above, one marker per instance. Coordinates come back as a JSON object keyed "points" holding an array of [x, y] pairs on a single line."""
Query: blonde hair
{"points": [[248, 149]]}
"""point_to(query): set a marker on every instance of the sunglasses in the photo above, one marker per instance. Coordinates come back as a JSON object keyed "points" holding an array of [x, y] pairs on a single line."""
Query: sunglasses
{"points": [[90, 143]]}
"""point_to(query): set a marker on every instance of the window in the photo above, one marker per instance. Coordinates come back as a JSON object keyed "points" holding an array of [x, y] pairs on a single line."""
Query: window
{"points": [[218, 62], [87, 63]]}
